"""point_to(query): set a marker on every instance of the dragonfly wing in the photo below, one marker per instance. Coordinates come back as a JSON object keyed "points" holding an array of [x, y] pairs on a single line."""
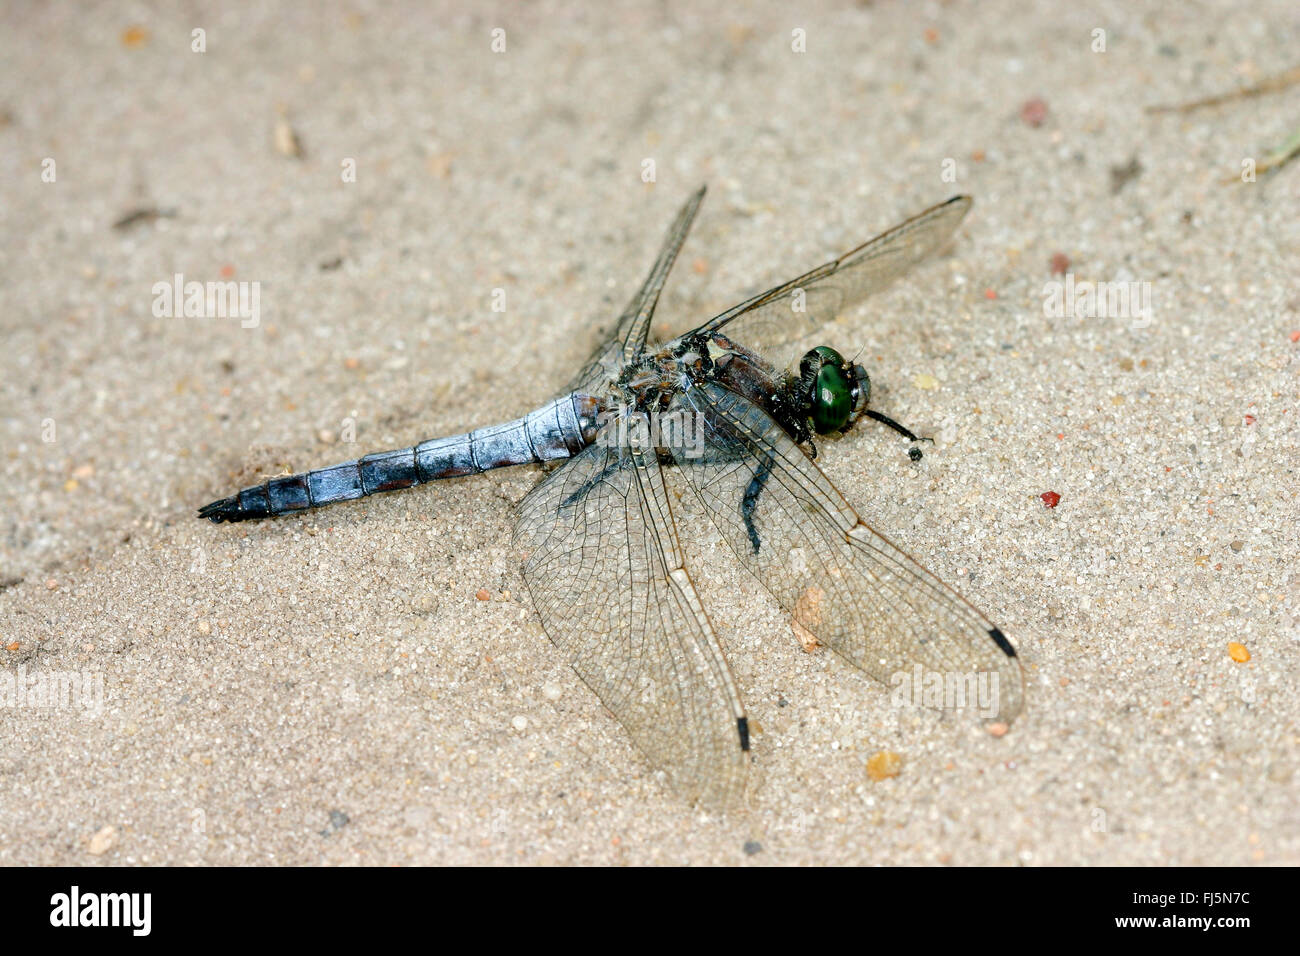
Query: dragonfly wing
{"points": [[847, 585], [605, 570], [801, 306], [629, 336]]}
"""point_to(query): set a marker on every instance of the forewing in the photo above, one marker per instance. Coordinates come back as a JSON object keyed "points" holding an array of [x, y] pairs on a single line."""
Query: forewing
{"points": [[847, 585], [605, 571], [801, 306], [628, 338]]}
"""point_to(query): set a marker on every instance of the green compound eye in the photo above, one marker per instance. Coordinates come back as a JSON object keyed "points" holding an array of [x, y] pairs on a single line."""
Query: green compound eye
{"points": [[832, 399]]}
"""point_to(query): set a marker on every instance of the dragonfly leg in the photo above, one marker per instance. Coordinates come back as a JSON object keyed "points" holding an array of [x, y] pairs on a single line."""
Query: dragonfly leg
{"points": [[912, 453], [750, 500], [613, 467]]}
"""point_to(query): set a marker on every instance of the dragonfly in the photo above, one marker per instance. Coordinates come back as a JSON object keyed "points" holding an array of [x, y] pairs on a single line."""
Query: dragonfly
{"points": [[711, 410]]}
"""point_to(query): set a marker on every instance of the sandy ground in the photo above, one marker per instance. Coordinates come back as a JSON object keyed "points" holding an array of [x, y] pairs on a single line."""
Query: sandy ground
{"points": [[330, 689]]}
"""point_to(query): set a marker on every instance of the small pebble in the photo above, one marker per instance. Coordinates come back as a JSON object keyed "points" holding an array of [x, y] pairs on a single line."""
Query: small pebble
{"points": [[752, 847], [1238, 652], [1033, 112], [103, 841], [1050, 498], [338, 820], [884, 765], [286, 140], [520, 723]]}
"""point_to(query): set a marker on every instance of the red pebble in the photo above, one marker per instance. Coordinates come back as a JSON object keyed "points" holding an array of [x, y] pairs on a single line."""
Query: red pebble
{"points": [[1060, 263], [1050, 498], [990, 293], [1295, 336], [1033, 112], [227, 271], [1250, 419]]}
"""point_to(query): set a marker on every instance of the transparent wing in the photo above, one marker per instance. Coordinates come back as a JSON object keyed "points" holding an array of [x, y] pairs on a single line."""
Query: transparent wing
{"points": [[802, 305], [629, 335], [849, 586], [605, 571]]}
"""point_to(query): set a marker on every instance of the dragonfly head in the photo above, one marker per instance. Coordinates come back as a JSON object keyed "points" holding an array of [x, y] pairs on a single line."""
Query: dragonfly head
{"points": [[832, 390]]}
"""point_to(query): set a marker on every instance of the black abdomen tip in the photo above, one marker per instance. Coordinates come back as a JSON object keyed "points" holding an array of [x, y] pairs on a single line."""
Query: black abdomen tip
{"points": [[227, 509]]}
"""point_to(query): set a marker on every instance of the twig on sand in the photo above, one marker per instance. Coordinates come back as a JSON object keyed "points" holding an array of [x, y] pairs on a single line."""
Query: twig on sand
{"points": [[1270, 84]]}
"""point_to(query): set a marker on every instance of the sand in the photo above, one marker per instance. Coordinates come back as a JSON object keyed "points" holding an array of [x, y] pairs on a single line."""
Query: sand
{"points": [[331, 689]]}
